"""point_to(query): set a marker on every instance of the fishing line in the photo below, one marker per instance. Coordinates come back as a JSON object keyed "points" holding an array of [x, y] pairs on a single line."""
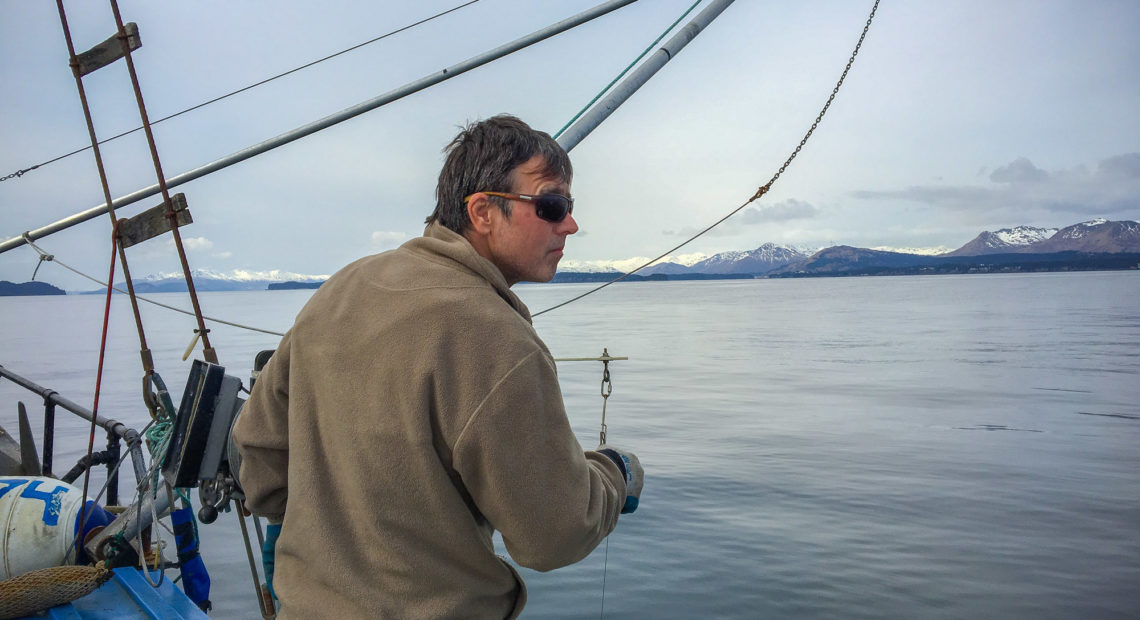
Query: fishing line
{"points": [[605, 570]]}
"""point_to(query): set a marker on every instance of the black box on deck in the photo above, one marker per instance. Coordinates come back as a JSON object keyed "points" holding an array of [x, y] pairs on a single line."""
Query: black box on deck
{"points": [[209, 400]]}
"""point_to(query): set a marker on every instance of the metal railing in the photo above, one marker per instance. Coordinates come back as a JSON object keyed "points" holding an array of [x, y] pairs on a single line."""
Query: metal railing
{"points": [[116, 432]]}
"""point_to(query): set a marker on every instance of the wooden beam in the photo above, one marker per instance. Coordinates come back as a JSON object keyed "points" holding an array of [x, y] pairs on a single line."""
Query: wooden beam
{"points": [[108, 51], [153, 222]]}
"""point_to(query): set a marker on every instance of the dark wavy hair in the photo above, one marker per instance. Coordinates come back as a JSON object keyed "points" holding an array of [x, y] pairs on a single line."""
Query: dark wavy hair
{"points": [[483, 158]]}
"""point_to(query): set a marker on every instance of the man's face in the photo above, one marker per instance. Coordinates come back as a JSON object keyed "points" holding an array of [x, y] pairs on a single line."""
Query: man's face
{"points": [[524, 246]]}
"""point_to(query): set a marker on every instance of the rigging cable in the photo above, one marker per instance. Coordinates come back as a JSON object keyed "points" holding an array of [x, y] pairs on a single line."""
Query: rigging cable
{"points": [[759, 192], [20, 173], [44, 256]]}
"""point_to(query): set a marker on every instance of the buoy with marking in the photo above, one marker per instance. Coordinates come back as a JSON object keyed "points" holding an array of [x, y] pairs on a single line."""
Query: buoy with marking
{"points": [[39, 519]]}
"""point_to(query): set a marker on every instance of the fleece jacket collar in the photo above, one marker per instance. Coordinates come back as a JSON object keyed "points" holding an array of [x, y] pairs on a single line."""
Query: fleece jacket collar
{"points": [[440, 241]]}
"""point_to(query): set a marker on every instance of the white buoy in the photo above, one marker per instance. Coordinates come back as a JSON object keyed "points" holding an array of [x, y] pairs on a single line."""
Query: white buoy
{"points": [[37, 523]]}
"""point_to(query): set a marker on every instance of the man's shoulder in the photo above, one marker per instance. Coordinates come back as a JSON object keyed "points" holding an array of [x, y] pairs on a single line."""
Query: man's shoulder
{"points": [[405, 268]]}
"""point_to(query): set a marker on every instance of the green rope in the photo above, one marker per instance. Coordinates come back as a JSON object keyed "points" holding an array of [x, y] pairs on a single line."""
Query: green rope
{"points": [[157, 436], [626, 70]]}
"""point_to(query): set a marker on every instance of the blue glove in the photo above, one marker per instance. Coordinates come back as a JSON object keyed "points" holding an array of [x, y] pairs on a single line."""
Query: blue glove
{"points": [[630, 468], [272, 531]]}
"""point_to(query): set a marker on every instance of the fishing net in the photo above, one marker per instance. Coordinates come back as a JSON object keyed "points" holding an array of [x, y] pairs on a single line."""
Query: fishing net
{"points": [[42, 589]]}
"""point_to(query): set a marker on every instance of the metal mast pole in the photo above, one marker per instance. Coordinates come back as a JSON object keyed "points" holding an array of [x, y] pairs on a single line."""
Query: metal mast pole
{"points": [[324, 123], [589, 121]]}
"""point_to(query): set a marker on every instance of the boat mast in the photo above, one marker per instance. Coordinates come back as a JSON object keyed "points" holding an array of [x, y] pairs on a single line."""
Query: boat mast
{"points": [[602, 109]]}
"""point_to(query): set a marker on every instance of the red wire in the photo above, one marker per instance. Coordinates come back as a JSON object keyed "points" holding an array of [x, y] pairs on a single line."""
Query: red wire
{"points": [[99, 377]]}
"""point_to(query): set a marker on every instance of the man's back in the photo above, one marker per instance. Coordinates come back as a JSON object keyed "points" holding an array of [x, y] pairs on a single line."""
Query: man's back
{"points": [[411, 409]]}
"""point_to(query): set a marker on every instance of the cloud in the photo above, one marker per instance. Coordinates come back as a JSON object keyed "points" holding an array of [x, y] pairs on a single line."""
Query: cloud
{"points": [[942, 196], [1020, 170], [194, 244], [1125, 166], [790, 209], [385, 240], [1018, 187], [689, 231], [197, 245], [785, 211]]}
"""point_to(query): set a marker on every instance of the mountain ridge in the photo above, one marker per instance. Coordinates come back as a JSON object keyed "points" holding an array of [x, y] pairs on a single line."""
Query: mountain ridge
{"points": [[1094, 237]]}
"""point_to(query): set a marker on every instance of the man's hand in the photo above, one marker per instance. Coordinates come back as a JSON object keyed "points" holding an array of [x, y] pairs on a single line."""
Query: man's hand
{"points": [[630, 468]]}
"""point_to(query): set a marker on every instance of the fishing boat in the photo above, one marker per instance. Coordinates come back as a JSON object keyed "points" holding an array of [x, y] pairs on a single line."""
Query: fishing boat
{"points": [[74, 550]]}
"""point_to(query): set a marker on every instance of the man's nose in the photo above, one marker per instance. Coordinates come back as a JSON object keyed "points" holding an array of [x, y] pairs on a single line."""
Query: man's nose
{"points": [[569, 225]]}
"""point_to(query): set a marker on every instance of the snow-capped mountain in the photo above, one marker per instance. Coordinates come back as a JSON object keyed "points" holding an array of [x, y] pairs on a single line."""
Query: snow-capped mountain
{"points": [[206, 280], [1004, 241], [919, 251], [844, 258], [239, 275], [626, 265], [763, 259], [1097, 235]]}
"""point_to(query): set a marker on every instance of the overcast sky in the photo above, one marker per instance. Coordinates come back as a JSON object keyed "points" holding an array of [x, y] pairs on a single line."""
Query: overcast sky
{"points": [[957, 117]]}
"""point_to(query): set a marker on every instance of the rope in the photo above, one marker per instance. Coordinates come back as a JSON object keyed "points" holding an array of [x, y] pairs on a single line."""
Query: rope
{"points": [[157, 437], [20, 173], [157, 551], [626, 70], [42, 589], [44, 256], [759, 192]]}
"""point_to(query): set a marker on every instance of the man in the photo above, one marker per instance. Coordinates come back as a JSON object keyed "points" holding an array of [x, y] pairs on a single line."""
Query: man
{"points": [[412, 410]]}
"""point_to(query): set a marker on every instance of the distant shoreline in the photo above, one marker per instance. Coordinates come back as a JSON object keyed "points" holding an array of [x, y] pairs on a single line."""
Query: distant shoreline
{"points": [[897, 265], [13, 289]]}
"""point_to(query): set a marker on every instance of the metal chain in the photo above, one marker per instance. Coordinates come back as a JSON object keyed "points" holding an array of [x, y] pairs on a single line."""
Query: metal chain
{"points": [[19, 173], [835, 91], [607, 389]]}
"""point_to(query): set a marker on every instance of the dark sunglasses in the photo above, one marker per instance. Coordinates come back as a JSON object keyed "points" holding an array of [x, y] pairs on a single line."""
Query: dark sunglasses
{"points": [[550, 207]]}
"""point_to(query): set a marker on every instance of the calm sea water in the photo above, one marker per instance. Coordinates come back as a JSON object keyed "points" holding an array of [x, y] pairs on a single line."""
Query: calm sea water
{"points": [[911, 447]]}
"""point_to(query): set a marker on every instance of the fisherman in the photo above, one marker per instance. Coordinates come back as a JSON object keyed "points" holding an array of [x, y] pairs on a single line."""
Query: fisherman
{"points": [[412, 410]]}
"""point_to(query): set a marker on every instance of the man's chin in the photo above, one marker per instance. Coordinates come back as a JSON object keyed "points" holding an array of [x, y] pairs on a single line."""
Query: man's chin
{"points": [[546, 276]]}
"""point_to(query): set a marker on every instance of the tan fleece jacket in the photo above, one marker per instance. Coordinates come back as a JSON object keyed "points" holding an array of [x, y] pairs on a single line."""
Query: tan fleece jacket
{"points": [[410, 412]]}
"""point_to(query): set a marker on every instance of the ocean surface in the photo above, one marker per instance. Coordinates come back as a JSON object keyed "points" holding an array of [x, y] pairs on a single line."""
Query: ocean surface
{"points": [[891, 447]]}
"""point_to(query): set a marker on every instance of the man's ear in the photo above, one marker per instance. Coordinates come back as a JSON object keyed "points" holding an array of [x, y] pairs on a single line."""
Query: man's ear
{"points": [[479, 209]]}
